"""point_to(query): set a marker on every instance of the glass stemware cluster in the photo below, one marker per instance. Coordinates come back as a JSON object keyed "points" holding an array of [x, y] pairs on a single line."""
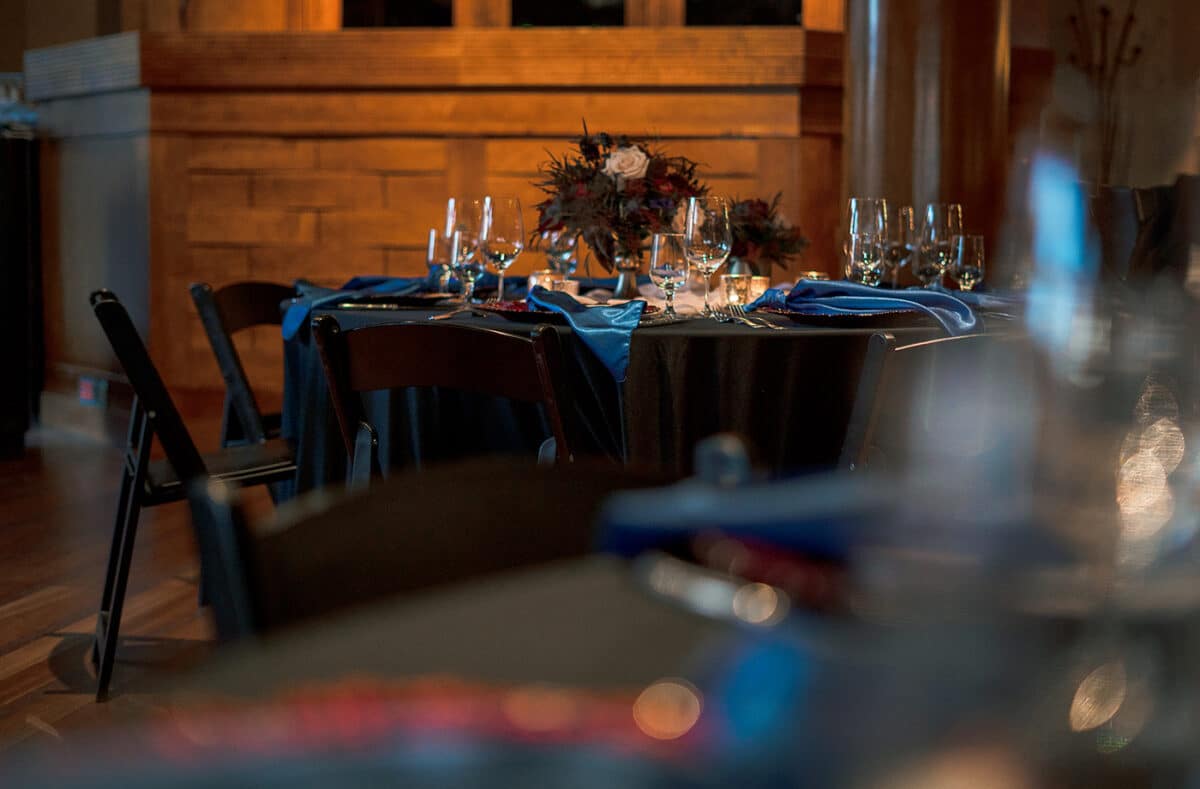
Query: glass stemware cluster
{"points": [[490, 230], [932, 249]]}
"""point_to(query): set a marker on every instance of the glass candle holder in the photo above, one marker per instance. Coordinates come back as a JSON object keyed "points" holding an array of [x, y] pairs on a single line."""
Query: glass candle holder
{"points": [[544, 277], [566, 286], [736, 288], [759, 286]]}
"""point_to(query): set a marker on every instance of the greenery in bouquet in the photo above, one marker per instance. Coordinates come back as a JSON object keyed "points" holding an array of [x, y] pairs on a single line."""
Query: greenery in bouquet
{"points": [[615, 193], [761, 237]]}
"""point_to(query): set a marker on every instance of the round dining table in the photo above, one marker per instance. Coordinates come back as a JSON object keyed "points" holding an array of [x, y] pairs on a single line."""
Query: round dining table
{"points": [[788, 392]]}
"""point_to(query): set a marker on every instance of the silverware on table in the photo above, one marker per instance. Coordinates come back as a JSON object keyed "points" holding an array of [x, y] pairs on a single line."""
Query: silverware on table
{"points": [[737, 314], [460, 311]]}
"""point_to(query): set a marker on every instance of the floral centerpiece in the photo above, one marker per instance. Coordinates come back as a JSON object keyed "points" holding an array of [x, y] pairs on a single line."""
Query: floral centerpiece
{"points": [[615, 193], [761, 237]]}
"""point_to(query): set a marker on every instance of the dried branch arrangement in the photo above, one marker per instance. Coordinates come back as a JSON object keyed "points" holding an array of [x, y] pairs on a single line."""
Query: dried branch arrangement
{"points": [[1103, 57]]}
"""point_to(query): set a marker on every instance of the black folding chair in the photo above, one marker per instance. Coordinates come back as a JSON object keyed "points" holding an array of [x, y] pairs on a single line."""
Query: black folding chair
{"points": [[526, 369], [147, 484], [224, 313], [327, 552], [939, 402]]}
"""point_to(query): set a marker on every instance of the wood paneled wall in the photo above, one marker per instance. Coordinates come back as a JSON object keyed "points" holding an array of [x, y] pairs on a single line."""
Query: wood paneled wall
{"points": [[325, 155]]}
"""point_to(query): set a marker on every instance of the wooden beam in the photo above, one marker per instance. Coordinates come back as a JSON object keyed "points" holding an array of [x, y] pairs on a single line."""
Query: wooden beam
{"points": [[481, 57], [663, 113], [655, 13], [482, 13]]}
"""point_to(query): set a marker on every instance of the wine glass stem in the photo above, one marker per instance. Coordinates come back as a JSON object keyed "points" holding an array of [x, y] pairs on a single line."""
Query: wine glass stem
{"points": [[707, 285], [670, 309], [500, 288]]}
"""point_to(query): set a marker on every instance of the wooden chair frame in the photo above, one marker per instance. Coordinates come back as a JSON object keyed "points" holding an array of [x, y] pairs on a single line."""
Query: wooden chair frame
{"points": [[526, 369]]}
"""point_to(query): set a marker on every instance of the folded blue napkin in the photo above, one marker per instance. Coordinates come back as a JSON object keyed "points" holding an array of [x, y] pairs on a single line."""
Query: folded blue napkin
{"points": [[607, 331], [810, 297], [312, 297]]}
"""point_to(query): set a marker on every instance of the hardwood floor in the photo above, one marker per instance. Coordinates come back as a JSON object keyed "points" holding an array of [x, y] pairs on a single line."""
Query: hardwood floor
{"points": [[56, 512]]}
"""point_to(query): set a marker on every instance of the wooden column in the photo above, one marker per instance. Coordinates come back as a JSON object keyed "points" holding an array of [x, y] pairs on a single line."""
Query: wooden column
{"points": [[961, 124], [926, 104], [879, 98]]}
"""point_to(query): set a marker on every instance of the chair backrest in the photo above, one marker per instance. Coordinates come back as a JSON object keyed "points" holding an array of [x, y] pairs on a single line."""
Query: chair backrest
{"points": [[326, 552], [942, 403], [148, 386], [225, 312], [528, 369]]}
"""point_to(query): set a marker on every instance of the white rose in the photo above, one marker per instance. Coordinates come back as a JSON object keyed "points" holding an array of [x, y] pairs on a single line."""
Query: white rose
{"points": [[627, 163]]}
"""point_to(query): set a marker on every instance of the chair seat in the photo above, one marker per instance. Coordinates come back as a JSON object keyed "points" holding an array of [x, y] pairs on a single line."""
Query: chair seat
{"points": [[248, 464]]}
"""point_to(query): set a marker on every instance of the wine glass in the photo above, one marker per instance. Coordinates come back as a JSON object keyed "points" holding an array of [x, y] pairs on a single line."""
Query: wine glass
{"points": [[967, 266], [668, 266], [463, 220], [867, 215], [707, 239], [437, 258], [865, 259], [942, 221], [559, 246], [899, 248], [501, 235]]}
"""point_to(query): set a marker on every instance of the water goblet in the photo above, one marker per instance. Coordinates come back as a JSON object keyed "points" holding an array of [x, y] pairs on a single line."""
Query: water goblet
{"points": [[707, 240], [668, 267], [901, 244], [942, 221], [866, 259], [559, 247]]}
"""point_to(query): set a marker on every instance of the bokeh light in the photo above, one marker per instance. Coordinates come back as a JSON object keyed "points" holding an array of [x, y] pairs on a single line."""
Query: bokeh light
{"points": [[668, 709], [1098, 697]]}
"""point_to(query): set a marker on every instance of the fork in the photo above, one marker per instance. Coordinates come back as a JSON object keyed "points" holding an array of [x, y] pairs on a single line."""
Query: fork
{"points": [[738, 312]]}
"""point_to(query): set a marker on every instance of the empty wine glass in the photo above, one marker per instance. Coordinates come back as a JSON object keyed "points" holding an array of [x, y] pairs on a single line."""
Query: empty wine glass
{"points": [[437, 258], [942, 221], [559, 246], [707, 239], [668, 266], [967, 266], [865, 262], [866, 215], [902, 243], [463, 220], [501, 235]]}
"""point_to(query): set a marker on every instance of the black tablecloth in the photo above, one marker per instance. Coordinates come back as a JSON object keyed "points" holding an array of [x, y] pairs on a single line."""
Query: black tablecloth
{"points": [[790, 392]]}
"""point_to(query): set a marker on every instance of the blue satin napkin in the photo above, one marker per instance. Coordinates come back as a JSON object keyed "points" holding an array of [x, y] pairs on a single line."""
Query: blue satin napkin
{"points": [[313, 297], [810, 297], [607, 331]]}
